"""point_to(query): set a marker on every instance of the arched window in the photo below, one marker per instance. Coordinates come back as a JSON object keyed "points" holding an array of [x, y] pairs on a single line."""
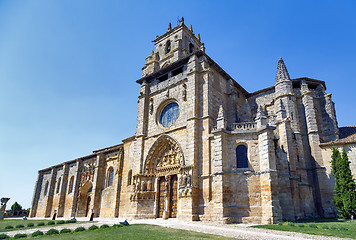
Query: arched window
{"points": [[168, 46], [46, 189], [191, 47], [70, 189], [129, 177], [169, 114], [241, 157], [110, 177], [59, 184]]}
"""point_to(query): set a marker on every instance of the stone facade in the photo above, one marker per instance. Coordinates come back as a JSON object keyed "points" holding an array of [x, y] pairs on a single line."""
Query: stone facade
{"points": [[205, 149]]}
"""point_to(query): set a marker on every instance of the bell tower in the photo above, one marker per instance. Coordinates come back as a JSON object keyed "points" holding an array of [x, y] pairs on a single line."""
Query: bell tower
{"points": [[175, 44]]}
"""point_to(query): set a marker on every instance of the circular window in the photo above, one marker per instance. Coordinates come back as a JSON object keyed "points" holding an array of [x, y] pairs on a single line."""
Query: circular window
{"points": [[169, 114]]}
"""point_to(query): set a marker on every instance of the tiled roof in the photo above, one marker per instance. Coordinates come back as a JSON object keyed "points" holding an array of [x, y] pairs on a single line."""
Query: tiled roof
{"points": [[347, 135]]}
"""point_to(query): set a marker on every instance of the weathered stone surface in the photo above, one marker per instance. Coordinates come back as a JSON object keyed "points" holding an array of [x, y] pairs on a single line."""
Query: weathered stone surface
{"points": [[188, 168]]}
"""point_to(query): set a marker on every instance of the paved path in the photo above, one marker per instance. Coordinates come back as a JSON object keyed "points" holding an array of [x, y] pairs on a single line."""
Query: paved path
{"points": [[239, 231]]}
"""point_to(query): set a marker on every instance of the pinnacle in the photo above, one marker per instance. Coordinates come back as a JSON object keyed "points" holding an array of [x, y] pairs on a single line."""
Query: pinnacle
{"points": [[282, 72]]}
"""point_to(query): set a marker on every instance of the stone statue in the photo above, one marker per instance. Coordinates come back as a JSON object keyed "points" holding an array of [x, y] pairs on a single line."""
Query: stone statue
{"points": [[3, 207]]}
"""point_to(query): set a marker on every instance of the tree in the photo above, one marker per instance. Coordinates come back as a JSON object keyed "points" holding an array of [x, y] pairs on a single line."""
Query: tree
{"points": [[16, 207], [345, 187]]}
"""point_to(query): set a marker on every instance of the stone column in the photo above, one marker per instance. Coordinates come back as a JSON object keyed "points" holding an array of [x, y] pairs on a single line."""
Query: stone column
{"points": [[192, 136], [76, 187], [63, 191], [98, 181], [271, 210], [221, 213], [322, 191], [49, 197]]}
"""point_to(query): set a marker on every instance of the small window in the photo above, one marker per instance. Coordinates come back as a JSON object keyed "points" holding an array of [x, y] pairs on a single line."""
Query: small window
{"points": [[177, 71], [46, 189], [110, 177], [59, 184], [241, 157], [129, 177], [168, 46], [191, 47], [71, 181], [163, 77]]}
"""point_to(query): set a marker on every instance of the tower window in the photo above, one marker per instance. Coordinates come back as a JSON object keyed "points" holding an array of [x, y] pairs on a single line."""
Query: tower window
{"points": [[177, 71], [191, 47], [169, 114], [168, 46], [241, 157], [163, 77]]}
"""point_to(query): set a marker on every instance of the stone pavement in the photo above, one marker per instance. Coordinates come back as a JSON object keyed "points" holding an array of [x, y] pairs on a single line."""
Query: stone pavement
{"points": [[239, 231]]}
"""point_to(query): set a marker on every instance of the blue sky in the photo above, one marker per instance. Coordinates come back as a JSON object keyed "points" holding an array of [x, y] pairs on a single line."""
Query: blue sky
{"points": [[68, 68]]}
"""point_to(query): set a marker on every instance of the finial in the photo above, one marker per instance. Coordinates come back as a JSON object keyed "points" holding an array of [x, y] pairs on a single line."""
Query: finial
{"points": [[202, 47], [191, 28], [182, 20], [152, 52], [199, 37], [169, 26], [282, 72]]}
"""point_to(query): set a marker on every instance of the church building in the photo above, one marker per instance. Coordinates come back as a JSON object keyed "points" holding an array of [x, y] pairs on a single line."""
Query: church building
{"points": [[205, 149]]}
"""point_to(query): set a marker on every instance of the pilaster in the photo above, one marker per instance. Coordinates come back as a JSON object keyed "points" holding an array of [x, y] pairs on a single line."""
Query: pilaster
{"points": [[271, 210]]}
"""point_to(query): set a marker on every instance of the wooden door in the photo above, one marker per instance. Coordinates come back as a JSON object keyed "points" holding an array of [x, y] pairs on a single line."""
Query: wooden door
{"points": [[173, 196], [162, 196]]}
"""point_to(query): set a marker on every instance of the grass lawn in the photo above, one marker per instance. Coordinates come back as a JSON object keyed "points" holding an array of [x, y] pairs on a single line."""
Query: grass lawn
{"points": [[136, 231], [16, 222], [326, 227]]}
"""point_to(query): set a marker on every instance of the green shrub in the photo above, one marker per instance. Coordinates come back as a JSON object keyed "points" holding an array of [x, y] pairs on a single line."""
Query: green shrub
{"points": [[104, 226], [37, 233], [79, 229], [9, 227], [40, 224], [291, 224], [20, 226], [71, 221], [117, 225], [20, 235], [280, 223], [3, 236], [301, 225], [30, 225], [93, 227], [324, 227], [52, 232], [51, 223], [312, 226], [333, 228], [343, 228], [65, 230], [60, 222]]}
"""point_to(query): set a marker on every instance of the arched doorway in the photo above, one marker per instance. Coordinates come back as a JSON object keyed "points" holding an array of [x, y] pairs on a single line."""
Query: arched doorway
{"points": [[88, 205], [165, 164], [84, 200]]}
